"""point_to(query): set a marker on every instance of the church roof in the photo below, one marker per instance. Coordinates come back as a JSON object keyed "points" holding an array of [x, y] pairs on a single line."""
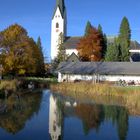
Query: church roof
{"points": [[61, 5], [103, 68], [71, 42], [134, 45]]}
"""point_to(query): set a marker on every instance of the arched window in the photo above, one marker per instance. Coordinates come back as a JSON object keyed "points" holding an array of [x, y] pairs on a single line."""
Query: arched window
{"points": [[57, 25]]}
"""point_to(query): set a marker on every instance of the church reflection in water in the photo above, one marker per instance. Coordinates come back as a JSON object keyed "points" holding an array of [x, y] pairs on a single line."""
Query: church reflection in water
{"points": [[91, 116], [56, 115], [55, 119]]}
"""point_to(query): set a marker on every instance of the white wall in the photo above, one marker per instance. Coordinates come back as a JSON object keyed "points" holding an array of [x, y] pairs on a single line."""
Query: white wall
{"points": [[70, 51], [55, 32], [134, 51], [113, 78]]}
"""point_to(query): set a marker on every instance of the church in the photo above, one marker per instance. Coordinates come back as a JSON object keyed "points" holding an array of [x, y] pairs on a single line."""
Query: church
{"points": [[59, 26]]}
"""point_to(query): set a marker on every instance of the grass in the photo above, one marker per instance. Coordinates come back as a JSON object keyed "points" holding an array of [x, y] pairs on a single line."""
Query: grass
{"points": [[39, 79], [99, 89], [9, 85], [102, 93], [21, 83]]}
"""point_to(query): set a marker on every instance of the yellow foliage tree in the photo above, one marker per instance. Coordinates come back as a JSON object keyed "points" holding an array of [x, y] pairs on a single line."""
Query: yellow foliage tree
{"points": [[19, 52]]}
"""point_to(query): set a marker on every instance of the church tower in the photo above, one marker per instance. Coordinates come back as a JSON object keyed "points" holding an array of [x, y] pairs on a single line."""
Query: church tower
{"points": [[58, 26]]}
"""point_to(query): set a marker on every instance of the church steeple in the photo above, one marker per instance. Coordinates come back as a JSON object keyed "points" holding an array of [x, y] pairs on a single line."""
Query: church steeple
{"points": [[61, 5], [59, 26]]}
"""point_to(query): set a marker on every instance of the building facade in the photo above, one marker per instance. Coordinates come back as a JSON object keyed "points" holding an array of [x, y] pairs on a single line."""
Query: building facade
{"points": [[99, 71]]}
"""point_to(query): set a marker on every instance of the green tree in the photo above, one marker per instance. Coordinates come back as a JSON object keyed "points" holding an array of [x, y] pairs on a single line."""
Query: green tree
{"points": [[104, 41], [124, 39], [61, 56], [100, 29], [41, 57], [88, 27], [113, 52]]}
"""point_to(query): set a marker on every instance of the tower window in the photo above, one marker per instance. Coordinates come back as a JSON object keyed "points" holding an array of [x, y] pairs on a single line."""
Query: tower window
{"points": [[57, 25]]}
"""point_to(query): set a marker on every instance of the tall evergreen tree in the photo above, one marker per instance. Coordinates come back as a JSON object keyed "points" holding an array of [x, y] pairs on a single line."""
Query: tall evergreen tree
{"points": [[113, 52], [41, 58], [104, 41], [104, 45], [88, 27], [61, 56], [61, 49], [124, 39], [100, 29]]}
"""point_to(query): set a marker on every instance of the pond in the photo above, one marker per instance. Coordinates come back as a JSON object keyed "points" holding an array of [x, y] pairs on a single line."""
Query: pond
{"points": [[43, 115]]}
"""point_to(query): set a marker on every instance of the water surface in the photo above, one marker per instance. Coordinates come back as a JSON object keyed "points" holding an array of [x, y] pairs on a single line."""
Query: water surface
{"points": [[46, 116]]}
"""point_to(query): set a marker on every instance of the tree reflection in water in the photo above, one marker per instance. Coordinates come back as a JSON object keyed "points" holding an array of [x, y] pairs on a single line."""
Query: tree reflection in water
{"points": [[91, 115], [18, 110]]}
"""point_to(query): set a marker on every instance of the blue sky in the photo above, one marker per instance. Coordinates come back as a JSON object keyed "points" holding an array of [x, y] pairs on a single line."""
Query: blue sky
{"points": [[35, 16]]}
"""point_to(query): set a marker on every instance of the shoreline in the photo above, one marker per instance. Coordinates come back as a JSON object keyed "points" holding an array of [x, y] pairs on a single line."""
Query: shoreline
{"points": [[24, 83], [128, 97]]}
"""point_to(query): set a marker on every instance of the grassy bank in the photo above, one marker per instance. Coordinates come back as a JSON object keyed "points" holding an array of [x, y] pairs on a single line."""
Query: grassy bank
{"points": [[9, 85], [21, 83], [102, 93]]}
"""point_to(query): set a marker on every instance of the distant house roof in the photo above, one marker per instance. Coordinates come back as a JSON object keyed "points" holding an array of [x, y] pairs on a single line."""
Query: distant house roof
{"points": [[73, 58], [103, 68], [110, 39], [134, 45], [71, 42]]}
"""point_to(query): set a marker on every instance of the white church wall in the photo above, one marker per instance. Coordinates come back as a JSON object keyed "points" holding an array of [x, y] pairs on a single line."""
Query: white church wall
{"points": [[55, 32]]}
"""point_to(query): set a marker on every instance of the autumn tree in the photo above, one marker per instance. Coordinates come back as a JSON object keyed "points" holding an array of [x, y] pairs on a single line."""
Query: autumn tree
{"points": [[90, 46], [20, 54], [124, 39]]}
